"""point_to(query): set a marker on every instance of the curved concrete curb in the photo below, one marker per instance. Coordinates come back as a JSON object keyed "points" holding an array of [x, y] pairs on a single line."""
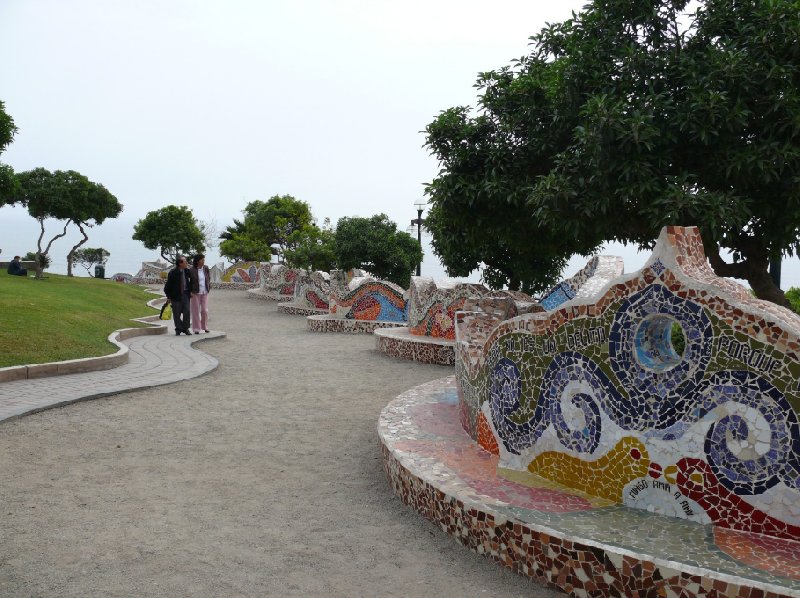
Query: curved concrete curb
{"points": [[90, 364]]}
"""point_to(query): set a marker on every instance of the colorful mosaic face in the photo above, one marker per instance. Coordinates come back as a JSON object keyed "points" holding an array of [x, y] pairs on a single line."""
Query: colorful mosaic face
{"points": [[366, 299], [600, 395], [246, 272]]}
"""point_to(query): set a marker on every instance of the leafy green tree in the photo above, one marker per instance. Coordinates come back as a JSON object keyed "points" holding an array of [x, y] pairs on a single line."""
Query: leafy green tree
{"points": [[793, 297], [276, 219], [266, 225], [242, 247], [9, 186], [375, 244], [87, 257], [314, 248], [628, 117], [43, 260], [172, 230], [64, 195], [97, 205]]}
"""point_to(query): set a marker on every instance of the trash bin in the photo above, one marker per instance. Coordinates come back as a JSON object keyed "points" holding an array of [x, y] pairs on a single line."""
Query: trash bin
{"points": [[99, 271]]}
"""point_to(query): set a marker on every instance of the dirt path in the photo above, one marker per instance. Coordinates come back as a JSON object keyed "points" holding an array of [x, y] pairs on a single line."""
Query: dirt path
{"points": [[261, 478]]}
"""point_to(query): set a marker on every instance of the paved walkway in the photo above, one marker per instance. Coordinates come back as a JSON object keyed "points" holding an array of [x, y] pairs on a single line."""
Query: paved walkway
{"points": [[263, 477], [153, 360]]}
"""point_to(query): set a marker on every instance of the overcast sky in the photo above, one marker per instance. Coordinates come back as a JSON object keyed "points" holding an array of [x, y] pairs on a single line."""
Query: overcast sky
{"points": [[214, 104]]}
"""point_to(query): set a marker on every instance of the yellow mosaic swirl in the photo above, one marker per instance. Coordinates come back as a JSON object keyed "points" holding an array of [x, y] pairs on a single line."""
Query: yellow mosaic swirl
{"points": [[605, 477]]}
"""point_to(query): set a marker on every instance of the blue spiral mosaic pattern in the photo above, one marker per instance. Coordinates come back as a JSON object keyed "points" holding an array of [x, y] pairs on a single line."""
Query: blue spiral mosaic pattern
{"points": [[575, 381], [772, 451], [659, 386], [513, 423]]}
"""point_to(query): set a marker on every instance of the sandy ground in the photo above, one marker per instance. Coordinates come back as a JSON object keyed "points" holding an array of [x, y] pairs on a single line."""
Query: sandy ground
{"points": [[263, 478]]}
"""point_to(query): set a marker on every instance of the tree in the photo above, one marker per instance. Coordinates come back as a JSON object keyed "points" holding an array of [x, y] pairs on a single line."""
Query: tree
{"points": [[62, 195], [266, 225], [243, 247], [275, 220], [628, 117], [43, 260], [97, 205], [89, 256], [9, 186], [314, 248], [375, 244], [172, 230]]}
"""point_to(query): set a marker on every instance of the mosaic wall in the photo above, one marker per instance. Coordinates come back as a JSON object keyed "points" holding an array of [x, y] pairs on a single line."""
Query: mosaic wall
{"points": [[151, 273], [243, 272], [281, 280], [364, 298], [586, 283], [122, 277], [582, 544], [595, 397], [432, 306], [312, 290]]}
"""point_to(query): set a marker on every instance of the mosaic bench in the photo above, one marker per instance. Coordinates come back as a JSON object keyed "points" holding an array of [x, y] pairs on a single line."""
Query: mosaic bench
{"points": [[277, 285], [360, 306], [597, 403], [579, 543], [311, 295]]}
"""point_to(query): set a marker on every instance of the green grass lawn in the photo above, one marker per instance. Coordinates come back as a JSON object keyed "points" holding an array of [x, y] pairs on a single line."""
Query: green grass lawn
{"points": [[61, 318]]}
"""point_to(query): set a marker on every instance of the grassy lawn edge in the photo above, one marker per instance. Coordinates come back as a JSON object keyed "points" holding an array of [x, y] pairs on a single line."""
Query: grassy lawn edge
{"points": [[61, 318]]}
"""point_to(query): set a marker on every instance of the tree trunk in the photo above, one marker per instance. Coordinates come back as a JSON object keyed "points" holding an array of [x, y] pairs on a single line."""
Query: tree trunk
{"points": [[754, 269], [71, 254], [39, 252], [514, 284]]}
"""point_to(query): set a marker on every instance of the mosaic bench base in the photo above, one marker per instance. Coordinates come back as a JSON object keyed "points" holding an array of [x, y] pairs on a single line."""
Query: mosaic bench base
{"points": [[261, 295], [234, 286], [326, 323], [297, 310], [581, 544], [399, 342]]}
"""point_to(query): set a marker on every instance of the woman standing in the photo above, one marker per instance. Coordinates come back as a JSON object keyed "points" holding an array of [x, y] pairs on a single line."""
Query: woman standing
{"points": [[201, 286]]}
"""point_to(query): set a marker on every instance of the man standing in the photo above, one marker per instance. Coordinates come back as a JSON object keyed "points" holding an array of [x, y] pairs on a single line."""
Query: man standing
{"points": [[177, 290], [16, 268]]}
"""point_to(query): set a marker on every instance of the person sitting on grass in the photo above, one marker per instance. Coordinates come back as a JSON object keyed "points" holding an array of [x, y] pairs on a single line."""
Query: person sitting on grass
{"points": [[15, 268]]}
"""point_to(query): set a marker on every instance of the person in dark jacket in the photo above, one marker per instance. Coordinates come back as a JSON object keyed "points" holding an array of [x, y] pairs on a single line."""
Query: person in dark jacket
{"points": [[177, 289], [15, 268]]}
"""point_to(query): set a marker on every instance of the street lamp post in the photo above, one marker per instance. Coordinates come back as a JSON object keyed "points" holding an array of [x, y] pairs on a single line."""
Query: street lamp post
{"points": [[420, 205]]}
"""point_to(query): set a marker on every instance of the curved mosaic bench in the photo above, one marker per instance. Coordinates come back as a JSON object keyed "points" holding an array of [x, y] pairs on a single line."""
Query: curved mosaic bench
{"points": [[595, 399], [311, 295], [241, 276], [582, 544], [360, 306], [277, 285], [431, 308]]}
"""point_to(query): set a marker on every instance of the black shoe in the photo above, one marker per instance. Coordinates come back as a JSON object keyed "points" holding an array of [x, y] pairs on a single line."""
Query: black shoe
{"points": [[206, 331], [187, 332], [196, 332], [177, 333]]}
